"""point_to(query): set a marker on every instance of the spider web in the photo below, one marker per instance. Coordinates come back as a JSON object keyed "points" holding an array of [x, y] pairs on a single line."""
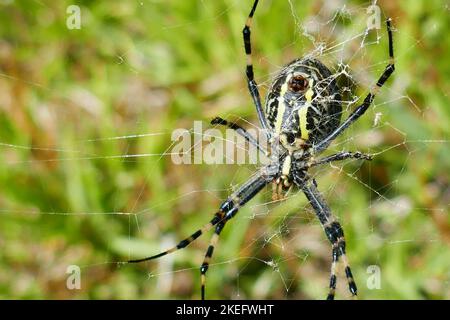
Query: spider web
{"points": [[394, 210]]}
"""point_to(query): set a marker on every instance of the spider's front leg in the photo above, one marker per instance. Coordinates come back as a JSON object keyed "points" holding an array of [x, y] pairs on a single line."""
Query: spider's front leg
{"points": [[335, 235], [227, 210]]}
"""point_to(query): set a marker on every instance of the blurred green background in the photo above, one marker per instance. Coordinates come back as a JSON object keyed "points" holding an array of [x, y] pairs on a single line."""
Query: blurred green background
{"points": [[69, 196]]}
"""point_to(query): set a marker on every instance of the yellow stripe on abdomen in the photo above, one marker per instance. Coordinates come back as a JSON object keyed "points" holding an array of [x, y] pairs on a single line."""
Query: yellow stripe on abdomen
{"points": [[302, 119], [281, 106], [302, 112]]}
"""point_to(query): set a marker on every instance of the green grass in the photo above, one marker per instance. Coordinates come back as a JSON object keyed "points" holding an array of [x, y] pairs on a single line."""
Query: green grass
{"points": [[153, 67]]}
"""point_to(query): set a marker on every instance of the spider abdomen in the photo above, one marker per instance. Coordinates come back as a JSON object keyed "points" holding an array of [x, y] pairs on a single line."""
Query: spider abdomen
{"points": [[304, 101]]}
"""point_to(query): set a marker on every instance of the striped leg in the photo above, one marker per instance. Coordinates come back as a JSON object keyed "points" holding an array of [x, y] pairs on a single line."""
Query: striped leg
{"points": [[335, 235], [252, 86], [227, 210], [241, 131], [208, 255], [333, 278], [360, 110], [184, 243], [341, 156], [231, 206]]}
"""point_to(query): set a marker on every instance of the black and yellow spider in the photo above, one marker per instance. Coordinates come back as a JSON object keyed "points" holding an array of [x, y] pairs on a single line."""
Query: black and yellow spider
{"points": [[302, 117]]}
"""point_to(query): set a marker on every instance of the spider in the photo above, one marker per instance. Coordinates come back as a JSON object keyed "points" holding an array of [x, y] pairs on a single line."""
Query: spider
{"points": [[302, 117]]}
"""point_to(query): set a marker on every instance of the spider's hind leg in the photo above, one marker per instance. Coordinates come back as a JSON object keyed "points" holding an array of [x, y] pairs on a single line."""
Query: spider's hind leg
{"points": [[361, 109]]}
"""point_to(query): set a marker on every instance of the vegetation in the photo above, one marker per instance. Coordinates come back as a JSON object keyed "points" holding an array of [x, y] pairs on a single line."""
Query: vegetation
{"points": [[69, 197]]}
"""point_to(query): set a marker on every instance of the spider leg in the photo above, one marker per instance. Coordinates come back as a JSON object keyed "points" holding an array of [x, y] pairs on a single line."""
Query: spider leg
{"points": [[361, 109], [340, 156], [241, 131], [335, 235], [252, 86], [333, 279], [185, 242], [208, 255], [231, 206], [227, 210]]}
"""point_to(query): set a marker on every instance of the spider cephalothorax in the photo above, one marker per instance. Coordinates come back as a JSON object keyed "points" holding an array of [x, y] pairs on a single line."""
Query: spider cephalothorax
{"points": [[301, 118]]}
